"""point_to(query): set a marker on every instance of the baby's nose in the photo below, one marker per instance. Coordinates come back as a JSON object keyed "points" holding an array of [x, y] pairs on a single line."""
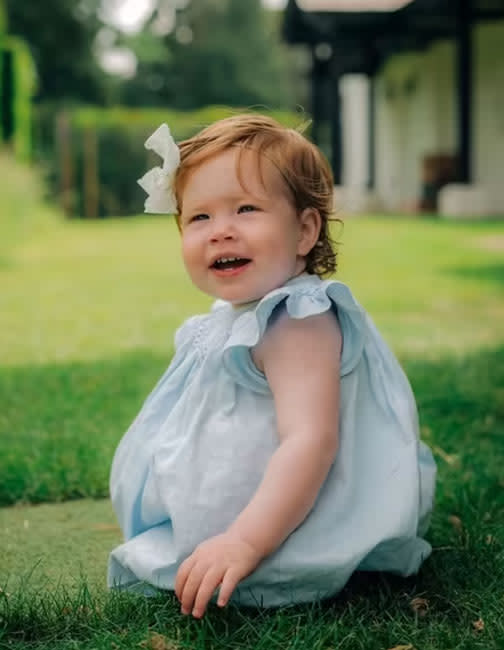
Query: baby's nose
{"points": [[223, 228]]}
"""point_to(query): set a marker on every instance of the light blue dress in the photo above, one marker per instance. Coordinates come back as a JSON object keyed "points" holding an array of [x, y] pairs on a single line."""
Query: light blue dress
{"points": [[196, 453]]}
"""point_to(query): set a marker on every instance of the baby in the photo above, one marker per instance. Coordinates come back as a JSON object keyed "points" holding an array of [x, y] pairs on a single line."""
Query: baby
{"points": [[279, 452]]}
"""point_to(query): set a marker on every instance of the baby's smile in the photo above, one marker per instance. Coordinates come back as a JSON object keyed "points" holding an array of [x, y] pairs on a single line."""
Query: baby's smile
{"points": [[229, 263]]}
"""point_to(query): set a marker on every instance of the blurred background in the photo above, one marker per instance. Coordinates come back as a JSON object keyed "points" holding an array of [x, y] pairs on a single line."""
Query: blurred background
{"points": [[84, 82], [406, 96]]}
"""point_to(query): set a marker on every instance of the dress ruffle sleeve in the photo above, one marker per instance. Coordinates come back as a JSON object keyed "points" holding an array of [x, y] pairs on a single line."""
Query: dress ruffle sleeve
{"points": [[300, 300]]}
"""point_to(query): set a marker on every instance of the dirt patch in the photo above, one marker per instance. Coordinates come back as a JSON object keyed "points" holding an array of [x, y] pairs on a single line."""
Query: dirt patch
{"points": [[491, 243]]}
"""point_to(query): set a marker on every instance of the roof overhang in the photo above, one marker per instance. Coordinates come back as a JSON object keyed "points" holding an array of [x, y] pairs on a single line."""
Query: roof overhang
{"points": [[351, 5], [362, 39]]}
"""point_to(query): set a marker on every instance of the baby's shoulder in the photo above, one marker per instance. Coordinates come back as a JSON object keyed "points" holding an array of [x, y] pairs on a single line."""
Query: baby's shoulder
{"points": [[314, 337]]}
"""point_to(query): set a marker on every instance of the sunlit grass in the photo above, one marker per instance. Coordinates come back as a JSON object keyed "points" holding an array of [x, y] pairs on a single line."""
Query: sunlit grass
{"points": [[85, 291]]}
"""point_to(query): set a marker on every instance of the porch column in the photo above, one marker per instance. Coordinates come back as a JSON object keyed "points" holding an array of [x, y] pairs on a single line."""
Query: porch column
{"points": [[336, 134], [371, 133], [317, 99], [465, 88]]}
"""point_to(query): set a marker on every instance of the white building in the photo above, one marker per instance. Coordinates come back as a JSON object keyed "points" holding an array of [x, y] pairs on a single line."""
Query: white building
{"points": [[418, 122]]}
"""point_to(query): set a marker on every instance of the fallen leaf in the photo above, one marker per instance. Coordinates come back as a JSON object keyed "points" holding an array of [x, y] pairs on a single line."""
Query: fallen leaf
{"points": [[479, 625], [403, 647], [450, 459], [456, 522], [420, 606], [426, 432], [106, 527], [158, 642]]}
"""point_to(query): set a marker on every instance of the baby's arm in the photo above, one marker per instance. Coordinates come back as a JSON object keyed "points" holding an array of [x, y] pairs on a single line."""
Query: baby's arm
{"points": [[301, 361]]}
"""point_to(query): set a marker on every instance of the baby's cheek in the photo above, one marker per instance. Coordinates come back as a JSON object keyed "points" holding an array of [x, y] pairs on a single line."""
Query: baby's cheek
{"points": [[191, 251]]}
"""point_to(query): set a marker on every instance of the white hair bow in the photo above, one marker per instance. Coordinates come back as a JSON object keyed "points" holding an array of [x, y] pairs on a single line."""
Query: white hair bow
{"points": [[159, 182]]}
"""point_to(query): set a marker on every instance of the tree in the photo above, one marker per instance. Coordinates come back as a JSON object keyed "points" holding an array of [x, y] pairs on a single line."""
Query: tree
{"points": [[60, 34], [220, 52]]}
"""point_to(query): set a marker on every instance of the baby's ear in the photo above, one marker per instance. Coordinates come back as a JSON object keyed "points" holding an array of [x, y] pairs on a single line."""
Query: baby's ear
{"points": [[310, 225]]}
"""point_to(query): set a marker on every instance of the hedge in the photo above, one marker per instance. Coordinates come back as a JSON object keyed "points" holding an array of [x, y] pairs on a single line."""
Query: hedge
{"points": [[94, 156]]}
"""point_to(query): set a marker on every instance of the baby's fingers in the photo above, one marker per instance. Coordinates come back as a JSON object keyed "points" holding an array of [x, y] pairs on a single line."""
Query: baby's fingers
{"points": [[230, 580], [192, 586], [182, 575], [207, 587]]}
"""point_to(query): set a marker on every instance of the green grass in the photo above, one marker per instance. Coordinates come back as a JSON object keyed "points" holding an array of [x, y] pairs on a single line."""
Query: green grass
{"points": [[88, 312]]}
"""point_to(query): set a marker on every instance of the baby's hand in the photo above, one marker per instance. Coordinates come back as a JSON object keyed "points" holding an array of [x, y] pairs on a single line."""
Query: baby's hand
{"points": [[222, 560]]}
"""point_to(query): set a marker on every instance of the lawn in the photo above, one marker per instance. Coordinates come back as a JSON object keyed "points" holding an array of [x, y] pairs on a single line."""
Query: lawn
{"points": [[88, 312]]}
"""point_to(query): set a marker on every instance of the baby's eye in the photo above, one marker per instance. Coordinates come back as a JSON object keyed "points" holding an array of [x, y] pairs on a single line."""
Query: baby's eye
{"points": [[246, 208], [199, 217]]}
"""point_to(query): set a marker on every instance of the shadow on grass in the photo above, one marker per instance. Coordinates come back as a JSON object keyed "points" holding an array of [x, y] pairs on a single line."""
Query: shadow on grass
{"points": [[490, 274], [60, 424]]}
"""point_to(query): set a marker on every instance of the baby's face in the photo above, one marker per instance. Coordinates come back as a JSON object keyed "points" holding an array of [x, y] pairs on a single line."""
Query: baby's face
{"points": [[239, 241]]}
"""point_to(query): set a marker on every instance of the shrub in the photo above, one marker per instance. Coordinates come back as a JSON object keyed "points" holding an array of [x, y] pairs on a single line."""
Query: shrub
{"points": [[94, 156]]}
